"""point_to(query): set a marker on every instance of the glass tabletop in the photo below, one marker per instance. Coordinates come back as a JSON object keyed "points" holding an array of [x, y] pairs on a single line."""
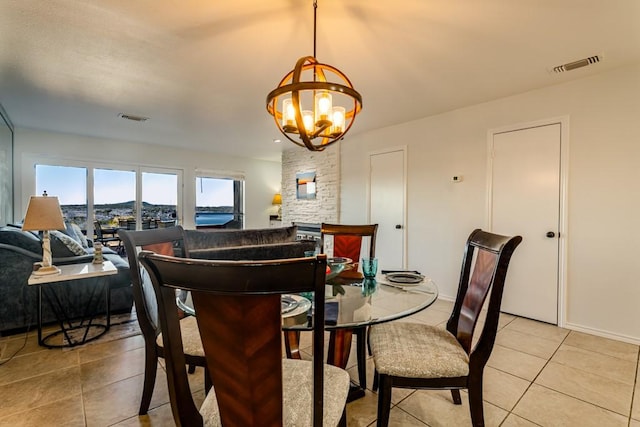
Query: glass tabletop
{"points": [[352, 303]]}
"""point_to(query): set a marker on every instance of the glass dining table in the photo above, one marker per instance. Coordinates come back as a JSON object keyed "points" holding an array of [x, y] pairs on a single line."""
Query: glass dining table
{"points": [[353, 303], [350, 303]]}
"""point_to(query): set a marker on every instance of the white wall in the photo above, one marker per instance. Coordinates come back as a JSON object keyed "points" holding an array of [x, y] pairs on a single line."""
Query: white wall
{"points": [[603, 289], [262, 178]]}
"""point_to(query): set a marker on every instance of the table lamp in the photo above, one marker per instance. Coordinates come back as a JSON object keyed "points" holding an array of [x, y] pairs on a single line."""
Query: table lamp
{"points": [[277, 201], [44, 214]]}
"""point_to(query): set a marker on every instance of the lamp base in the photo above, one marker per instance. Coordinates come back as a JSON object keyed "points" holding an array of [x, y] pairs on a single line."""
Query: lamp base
{"points": [[44, 271]]}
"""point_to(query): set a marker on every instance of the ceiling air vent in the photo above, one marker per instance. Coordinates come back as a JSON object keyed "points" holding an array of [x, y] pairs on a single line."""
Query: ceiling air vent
{"points": [[577, 64], [133, 117]]}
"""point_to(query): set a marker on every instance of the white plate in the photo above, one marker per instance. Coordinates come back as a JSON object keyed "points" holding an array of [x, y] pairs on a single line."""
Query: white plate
{"points": [[288, 304], [405, 278], [301, 305]]}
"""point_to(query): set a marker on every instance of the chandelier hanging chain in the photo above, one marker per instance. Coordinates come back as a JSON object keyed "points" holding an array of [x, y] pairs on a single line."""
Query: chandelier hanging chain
{"points": [[329, 119], [315, 13]]}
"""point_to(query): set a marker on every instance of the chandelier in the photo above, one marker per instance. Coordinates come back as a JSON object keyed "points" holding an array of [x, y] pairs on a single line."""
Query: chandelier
{"points": [[315, 104]]}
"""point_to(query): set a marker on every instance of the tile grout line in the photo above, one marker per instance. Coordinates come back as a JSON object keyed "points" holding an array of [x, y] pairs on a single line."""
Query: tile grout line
{"points": [[635, 387], [568, 395], [534, 379]]}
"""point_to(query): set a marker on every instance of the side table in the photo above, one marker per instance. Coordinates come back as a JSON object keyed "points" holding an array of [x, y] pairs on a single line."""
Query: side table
{"points": [[85, 324]]}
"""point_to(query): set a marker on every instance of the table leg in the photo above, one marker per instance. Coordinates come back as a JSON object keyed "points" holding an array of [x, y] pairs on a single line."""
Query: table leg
{"points": [[108, 297], [68, 324], [338, 355], [292, 344], [339, 347], [39, 314]]}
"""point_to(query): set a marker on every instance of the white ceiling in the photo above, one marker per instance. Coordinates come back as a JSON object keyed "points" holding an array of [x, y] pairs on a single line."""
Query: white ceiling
{"points": [[201, 69]]}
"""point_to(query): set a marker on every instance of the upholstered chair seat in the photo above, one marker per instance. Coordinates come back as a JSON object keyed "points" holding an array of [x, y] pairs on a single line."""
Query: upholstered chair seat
{"points": [[414, 350], [297, 384]]}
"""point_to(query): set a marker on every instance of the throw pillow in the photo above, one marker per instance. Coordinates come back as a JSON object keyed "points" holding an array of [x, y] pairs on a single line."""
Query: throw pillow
{"points": [[74, 231], [70, 244]]}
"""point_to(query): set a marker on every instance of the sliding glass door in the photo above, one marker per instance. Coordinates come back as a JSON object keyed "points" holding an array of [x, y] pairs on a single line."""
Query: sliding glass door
{"points": [[114, 197], [159, 199]]}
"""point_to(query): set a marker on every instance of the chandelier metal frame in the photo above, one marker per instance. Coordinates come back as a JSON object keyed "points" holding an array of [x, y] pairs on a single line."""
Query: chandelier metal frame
{"points": [[291, 85]]}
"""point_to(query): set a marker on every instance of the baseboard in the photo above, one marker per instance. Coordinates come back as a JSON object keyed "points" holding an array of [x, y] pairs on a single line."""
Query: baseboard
{"points": [[602, 333]]}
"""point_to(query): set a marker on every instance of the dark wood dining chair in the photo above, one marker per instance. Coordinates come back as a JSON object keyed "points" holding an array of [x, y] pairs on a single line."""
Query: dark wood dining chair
{"points": [[238, 306], [347, 242], [160, 241], [411, 355]]}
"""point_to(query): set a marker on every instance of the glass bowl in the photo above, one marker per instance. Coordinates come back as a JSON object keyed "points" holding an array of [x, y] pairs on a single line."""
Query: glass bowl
{"points": [[337, 265]]}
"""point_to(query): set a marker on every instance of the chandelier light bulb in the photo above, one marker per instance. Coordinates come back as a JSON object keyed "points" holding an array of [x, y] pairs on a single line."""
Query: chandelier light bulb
{"points": [[323, 109], [288, 116], [338, 121], [307, 118]]}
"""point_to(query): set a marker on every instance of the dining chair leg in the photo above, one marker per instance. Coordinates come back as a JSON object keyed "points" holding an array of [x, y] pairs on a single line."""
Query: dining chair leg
{"points": [[455, 395], [343, 418], [150, 368], [361, 348], [384, 400], [475, 401], [376, 378], [207, 381]]}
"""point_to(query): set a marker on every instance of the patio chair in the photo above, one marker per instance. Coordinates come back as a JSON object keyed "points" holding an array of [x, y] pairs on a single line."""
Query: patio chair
{"points": [[107, 241]]}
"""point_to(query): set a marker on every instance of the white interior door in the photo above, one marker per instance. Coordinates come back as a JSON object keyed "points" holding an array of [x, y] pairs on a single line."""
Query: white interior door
{"points": [[387, 206], [526, 201]]}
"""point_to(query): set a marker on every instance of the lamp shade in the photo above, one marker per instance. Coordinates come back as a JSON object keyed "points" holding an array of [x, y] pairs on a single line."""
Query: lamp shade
{"points": [[277, 199], [43, 213]]}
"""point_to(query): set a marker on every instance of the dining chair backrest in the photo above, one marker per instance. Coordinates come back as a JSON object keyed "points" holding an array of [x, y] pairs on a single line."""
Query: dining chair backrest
{"points": [[347, 239], [159, 241], [238, 305], [484, 269]]}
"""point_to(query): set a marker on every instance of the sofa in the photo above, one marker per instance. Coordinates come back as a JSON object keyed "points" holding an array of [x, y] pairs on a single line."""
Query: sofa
{"points": [[250, 244], [19, 250]]}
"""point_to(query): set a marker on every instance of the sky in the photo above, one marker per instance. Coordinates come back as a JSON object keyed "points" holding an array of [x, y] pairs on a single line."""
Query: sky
{"points": [[115, 186]]}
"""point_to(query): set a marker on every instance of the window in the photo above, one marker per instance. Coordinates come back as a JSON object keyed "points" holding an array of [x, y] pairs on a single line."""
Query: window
{"points": [[114, 197], [133, 198], [159, 198], [69, 184], [219, 203]]}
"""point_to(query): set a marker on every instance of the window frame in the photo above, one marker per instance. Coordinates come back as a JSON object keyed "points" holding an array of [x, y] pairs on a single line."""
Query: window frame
{"points": [[239, 192], [91, 166]]}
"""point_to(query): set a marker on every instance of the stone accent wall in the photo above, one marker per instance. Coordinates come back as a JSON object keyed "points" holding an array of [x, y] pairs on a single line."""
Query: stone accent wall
{"points": [[326, 164]]}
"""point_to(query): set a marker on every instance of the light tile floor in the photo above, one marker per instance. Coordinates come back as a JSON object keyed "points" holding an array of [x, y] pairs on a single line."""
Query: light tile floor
{"points": [[538, 374]]}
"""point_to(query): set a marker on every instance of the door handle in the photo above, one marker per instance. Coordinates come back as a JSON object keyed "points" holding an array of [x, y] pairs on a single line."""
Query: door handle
{"points": [[551, 234], [398, 226]]}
